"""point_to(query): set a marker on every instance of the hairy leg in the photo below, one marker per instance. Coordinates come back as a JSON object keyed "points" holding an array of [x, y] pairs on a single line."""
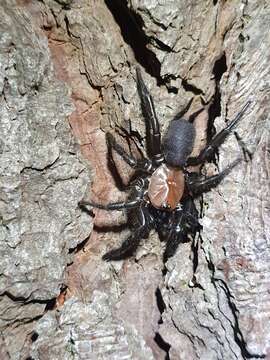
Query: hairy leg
{"points": [[143, 164], [198, 184], [191, 215], [219, 139], [112, 206], [138, 189], [247, 154], [152, 123], [184, 221], [130, 245], [127, 248], [174, 239]]}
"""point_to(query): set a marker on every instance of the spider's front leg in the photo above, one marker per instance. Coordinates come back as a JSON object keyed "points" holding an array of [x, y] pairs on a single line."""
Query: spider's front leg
{"points": [[121, 205], [184, 221], [218, 140], [130, 245], [175, 237], [135, 201]]}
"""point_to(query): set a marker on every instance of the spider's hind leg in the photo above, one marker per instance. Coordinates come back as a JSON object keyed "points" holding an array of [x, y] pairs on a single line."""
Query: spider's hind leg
{"points": [[142, 164], [152, 123], [199, 184], [218, 140]]}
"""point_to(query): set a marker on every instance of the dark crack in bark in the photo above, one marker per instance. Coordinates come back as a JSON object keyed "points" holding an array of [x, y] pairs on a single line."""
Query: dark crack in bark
{"points": [[238, 335], [214, 111], [131, 26], [165, 346]]}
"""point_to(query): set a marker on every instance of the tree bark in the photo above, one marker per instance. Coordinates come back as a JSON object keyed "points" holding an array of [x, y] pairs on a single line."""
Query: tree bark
{"points": [[67, 77]]}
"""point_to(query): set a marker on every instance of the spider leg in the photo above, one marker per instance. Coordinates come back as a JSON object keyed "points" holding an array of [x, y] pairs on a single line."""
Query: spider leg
{"points": [[218, 140], [130, 245], [112, 206], [152, 123], [143, 164], [135, 201], [246, 152], [184, 221], [200, 184], [191, 215], [174, 239]]}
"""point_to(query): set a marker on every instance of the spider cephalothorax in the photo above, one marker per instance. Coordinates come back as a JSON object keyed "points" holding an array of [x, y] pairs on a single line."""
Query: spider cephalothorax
{"points": [[162, 196]]}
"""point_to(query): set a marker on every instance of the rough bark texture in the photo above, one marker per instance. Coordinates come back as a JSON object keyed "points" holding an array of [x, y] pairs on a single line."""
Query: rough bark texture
{"points": [[76, 59]]}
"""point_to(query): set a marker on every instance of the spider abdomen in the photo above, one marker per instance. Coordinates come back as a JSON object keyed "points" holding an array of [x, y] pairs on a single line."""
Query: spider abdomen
{"points": [[166, 187], [178, 142]]}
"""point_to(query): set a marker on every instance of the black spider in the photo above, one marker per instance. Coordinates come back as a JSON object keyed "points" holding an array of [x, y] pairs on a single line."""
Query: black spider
{"points": [[162, 195]]}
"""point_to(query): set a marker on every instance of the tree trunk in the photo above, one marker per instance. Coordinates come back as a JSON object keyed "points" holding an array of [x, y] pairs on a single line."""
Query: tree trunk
{"points": [[67, 77]]}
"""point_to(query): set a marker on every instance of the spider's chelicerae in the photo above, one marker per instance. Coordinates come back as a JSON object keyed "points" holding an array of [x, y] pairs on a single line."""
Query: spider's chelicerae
{"points": [[162, 196]]}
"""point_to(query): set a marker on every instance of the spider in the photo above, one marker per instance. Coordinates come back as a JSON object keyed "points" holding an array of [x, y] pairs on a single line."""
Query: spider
{"points": [[163, 192]]}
